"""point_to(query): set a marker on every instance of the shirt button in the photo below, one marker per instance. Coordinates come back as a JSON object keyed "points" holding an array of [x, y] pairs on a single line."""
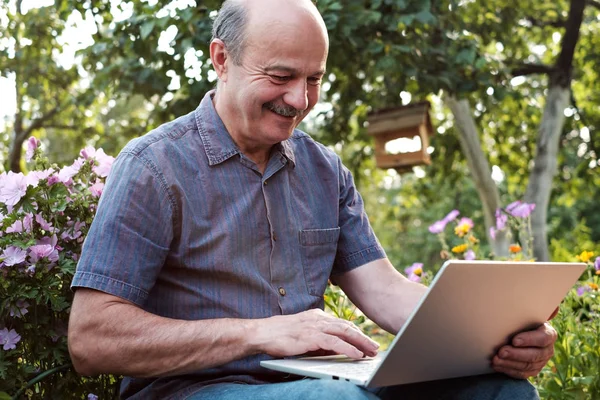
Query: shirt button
{"points": [[265, 183], [282, 291], [274, 237]]}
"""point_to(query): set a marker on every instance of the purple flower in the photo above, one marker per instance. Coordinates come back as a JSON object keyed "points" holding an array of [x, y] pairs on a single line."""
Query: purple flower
{"points": [[40, 251], [414, 272], [13, 255], [439, 226], [92, 396], [32, 144], [12, 187], [45, 225], [501, 219], [520, 209], [73, 230], [597, 264], [21, 226], [582, 289], [19, 309], [9, 339], [470, 255], [493, 233]]}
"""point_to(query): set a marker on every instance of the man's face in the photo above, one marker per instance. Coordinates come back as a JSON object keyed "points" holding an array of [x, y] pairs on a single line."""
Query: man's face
{"points": [[277, 83]]}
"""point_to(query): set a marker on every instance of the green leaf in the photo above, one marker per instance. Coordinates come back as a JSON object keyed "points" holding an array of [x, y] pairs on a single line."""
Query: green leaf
{"points": [[4, 396], [146, 29]]}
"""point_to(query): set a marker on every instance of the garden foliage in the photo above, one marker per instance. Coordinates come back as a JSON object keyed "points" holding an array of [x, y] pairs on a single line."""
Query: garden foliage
{"points": [[45, 217]]}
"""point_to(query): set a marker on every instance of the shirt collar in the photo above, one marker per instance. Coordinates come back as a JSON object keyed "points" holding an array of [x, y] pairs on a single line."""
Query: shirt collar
{"points": [[218, 144]]}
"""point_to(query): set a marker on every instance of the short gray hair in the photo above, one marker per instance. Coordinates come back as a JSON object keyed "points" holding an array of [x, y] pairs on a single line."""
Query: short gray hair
{"points": [[230, 27]]}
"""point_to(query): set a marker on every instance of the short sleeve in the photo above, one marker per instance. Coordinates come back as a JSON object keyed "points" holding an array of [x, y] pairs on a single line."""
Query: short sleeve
{"points": [[357, 244], [130, 236]]}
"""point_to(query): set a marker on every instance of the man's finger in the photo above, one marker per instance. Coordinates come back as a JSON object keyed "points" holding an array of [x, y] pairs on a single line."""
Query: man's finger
{"points": [[526, 354], [543, 336], [534, 366], [348, 332], [554, 313]]}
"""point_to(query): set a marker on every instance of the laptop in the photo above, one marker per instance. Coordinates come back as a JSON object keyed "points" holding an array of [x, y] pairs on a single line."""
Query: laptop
{"points": [[471, 309]]}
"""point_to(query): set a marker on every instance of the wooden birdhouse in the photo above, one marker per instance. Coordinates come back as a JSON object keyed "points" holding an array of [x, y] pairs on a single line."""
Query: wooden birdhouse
{"points": [[410, 122]]}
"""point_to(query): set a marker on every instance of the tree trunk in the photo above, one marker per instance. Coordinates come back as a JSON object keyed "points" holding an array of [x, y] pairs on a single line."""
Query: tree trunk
{"points": [[14, 159], [545, 167], [480, 169]]}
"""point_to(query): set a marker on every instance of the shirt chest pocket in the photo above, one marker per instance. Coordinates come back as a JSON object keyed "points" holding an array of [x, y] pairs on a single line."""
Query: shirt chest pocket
{"points": [[318, 248]]}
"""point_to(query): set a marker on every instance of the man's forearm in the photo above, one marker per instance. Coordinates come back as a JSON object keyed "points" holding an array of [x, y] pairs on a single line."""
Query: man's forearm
{"points": [[121, 338]]}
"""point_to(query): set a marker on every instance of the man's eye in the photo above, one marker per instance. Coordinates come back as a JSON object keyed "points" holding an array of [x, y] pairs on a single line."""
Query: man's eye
{"points": [[281, 78], [314, 81]]}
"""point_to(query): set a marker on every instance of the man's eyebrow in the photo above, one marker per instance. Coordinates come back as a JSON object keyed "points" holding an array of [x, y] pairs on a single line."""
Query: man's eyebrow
{"points": [[290, 70]]}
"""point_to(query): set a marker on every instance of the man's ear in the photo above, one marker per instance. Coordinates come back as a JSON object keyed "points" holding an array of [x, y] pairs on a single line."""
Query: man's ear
{"points": [[219, 57]]}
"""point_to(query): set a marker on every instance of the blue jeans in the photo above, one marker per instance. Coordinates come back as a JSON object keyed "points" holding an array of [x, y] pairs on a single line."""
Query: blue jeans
{"points": [[482, 387]]}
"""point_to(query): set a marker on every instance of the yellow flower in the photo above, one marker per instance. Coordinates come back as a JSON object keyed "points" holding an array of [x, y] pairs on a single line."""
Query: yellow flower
{"points": [[585, 256], [593, 285], [598, 272], [473, 239], [461, 248], [462, 229], [514, 248], [418, 271]]}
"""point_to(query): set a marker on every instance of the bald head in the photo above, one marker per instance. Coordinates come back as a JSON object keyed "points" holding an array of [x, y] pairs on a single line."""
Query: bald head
{"points": [[239, 23]]}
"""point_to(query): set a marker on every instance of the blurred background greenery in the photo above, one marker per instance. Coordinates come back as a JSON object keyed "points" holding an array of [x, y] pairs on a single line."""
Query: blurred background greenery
{"points": [[99, 73]]}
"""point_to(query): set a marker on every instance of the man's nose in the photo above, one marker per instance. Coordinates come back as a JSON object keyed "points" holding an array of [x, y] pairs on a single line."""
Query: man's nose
{"points": [[297, 95]]}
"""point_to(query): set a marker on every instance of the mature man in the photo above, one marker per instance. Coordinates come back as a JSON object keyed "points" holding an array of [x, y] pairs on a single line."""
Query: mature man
{"points": [[217, 233]]}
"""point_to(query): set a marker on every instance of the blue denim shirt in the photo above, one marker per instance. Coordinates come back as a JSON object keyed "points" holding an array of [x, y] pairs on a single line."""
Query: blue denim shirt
{"points": [[188, 228]]}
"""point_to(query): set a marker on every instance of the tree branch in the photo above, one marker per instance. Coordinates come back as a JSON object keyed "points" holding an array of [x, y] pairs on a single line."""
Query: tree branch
{"points": [[39, 122], [593, 3], [529, 69], [558, 23], [564, 64]]}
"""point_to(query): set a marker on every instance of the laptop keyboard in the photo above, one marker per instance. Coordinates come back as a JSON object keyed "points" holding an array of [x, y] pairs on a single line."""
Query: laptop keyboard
{"points": [[355, 369]]}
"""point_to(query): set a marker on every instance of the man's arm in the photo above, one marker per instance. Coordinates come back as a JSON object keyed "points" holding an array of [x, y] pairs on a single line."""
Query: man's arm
{"points": [[110, 335], [388, 298], [382, 293]]}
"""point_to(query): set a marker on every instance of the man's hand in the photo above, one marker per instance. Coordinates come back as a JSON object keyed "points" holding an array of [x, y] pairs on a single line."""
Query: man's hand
{"points": [[308, 331], [527, 354]]}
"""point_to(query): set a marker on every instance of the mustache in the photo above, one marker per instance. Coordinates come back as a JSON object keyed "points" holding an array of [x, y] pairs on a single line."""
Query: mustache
{"points": [[285, 110]]}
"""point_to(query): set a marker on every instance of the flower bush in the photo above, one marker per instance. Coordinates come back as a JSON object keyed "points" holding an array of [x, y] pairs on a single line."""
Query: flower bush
{"points": [[514, 220], [45, 218]]}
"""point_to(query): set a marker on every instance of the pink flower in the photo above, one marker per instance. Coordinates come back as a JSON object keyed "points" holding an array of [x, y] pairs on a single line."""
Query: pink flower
{"points": [[9, 339], [97, 188], [13, 256], [597, 264], [470, 255], [104, 163], [87, 152], [414, 272], [32, 144], [40, 251], [66, 173], [12, 187], [493, 233], [34, 177]]}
